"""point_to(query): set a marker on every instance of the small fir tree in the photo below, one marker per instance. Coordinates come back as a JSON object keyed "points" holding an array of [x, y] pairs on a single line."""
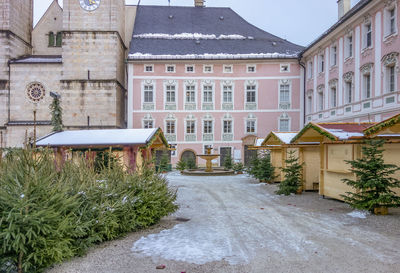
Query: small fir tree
{"points": [[181, 165], [228, 162], [56, 115], [254, 166], [191, 164], [374, 181], [292, 175], [238, 167], [164, 163], [266, 172]]}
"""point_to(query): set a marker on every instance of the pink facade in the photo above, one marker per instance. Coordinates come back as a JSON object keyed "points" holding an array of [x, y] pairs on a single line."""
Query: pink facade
{"points": [[238, 100], [360, 64]]}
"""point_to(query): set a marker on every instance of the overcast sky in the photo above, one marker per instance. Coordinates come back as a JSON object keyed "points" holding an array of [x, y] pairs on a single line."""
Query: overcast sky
{"points": [[299, 21]]}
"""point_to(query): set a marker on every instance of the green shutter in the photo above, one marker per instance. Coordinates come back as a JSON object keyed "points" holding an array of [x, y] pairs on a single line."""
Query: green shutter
{"points": [[51, 39]]}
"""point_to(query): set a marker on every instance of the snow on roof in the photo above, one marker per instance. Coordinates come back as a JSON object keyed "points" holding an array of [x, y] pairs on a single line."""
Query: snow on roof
{"points": [[285, 137], [343, 135], [345, 131], [190, 36], [259, 142], [37, 59], [98, 137], [208, 56]]}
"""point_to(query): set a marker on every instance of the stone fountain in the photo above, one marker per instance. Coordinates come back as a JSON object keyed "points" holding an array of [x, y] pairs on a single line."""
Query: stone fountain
{"points": [[209, 170]]}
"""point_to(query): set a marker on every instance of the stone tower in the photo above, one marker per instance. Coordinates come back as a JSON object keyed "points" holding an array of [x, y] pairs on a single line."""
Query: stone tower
{"points": [[16, 19], [93, 80]]}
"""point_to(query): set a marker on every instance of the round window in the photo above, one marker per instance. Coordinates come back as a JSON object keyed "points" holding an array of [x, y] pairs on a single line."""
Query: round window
{"points": [[36, 92]]}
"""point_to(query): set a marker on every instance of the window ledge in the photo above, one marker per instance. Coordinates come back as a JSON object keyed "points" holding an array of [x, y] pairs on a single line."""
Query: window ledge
{"points": [[390, 37], [349, 59]]}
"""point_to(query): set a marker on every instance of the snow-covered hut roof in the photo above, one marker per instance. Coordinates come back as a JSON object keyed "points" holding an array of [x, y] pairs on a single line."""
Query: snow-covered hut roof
{"points": [[281, 137], [258, 142], [163, 32], [387, 128], [101, 138]]}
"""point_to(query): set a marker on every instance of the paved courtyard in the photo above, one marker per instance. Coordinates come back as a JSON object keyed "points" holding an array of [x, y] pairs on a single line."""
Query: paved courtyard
{"points": [[238, 225]]}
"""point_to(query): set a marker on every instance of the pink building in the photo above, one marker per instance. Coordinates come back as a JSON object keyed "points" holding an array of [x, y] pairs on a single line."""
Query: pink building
{"points": [[209, 78], [352, 70]]}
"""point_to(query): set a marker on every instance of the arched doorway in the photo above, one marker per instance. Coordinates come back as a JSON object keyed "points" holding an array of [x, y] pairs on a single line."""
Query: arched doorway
{"points": [[187, 155]]}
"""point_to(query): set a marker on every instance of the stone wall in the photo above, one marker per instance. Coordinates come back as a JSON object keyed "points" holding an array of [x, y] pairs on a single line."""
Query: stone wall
{"points": [[17, 135], [52, 21], [17, 17]]}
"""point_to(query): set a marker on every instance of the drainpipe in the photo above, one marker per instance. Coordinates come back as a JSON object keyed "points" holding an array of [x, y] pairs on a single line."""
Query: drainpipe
{"points": [[304, 88], [9, 93]]}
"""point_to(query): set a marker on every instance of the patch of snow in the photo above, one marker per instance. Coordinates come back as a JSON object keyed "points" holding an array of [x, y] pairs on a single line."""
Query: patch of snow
{"points": [[189, 36], [286, 137], [343, 135], [22, 196], [207, 56], [359, 214]]}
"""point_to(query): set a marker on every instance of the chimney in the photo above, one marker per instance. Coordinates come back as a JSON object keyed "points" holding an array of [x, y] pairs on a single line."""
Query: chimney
{"points": [[199, 3], [343, 7]]}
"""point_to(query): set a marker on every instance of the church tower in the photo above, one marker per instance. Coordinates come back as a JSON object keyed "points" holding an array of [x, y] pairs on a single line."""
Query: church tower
{"points": [[16, 18], [93, 81]]}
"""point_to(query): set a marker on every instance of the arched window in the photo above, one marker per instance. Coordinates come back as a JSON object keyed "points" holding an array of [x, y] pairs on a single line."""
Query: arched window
{"points": [[51, 39], [59, 39]]}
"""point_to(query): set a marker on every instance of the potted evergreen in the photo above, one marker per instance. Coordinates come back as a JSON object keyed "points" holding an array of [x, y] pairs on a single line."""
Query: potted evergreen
{"points": [[374, 182], [181, 165], [292, 182]]}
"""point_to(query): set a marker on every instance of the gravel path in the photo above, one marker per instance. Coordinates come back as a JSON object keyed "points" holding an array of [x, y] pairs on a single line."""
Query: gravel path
{"points": [[238, 225]]}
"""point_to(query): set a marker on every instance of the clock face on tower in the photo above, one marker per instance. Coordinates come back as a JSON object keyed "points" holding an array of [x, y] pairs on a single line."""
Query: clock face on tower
{"points": [[90, 5]]}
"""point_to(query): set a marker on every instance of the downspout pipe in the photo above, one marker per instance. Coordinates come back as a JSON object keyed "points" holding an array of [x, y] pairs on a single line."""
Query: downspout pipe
{"points": [[9, 93], [304, 87]]}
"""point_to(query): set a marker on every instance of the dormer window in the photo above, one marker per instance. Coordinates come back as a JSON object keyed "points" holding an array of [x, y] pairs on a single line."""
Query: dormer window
{"points": [[208, 68], [285, 68], [148, 68], [170, 68], [228, 68]]}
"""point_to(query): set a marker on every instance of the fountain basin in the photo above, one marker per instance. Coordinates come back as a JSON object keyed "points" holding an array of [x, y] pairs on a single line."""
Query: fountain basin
{"points": [[202, 172]]}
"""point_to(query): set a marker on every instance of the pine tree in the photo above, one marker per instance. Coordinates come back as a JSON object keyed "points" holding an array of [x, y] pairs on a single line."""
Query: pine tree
{"points": [[191, 164], [56, 115], [164, 163], [374, 179], [254, 166], [228, 162], [293, 175], [181, 165], [266, 170]]}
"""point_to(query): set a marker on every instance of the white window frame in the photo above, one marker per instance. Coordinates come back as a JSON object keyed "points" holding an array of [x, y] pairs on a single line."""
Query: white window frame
{"points": [[148, 118], [208, 65], [166, 126], [280, 84], [388, 80], [333, 94], [284, 117], [148, 65], [223, 126], [227, 66], [283, 67], [223, 85], [347, 92], [190, 65], [309, 102], [388, 20], [186, 126], [212, 84], [250, 118], [321, 63], [365, 35], [310, 70], [153, 83], [251, 66], [334, 55], [349, 46], [365, 84], [212, 127], [321, 103], [195, 92], [255, 91], [170, 65]]}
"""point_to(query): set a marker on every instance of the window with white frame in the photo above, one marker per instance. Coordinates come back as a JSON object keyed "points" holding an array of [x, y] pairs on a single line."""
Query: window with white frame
{"points": [[367, 36], [390, 71], [170, 127], [321, 63], [207, 94], [284, 95], [250, 126], [349, 46], [251, 93], [366, 85], [148, 122], [189, 68], [309, 102], [348, 85], [333, 96], [228, 127], [148, 93], [170, 68], [190, 126], [390, 20], [320, 95], [284, 123], [227, 94], [333, 55], [148, 68], [208, 68], [190, 94], [310, 69], [207, 126], [251, 68], [170, 94], [228, 69], [285, 68]]}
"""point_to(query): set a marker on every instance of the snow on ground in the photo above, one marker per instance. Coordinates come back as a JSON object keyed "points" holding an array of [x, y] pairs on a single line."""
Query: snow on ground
{"points": [[359, 214], [233, 221]]}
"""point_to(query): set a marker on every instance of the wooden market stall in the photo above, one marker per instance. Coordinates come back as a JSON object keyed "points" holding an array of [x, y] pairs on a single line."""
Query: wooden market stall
{"points": [[389, 130], [278, 143], [336, 143], [131, 147]]}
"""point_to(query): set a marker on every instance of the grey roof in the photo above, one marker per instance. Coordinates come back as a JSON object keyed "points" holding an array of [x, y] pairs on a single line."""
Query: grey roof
{"points": [[359, 6], [34, 59], [163, 32]]}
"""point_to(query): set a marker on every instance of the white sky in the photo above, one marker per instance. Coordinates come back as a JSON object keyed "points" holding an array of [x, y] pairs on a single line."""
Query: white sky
{"points": [[299, 21]]}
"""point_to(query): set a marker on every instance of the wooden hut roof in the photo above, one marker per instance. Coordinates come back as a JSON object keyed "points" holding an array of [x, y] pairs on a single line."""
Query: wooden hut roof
{"points": [[316, 132], [279, 138], [387, 128], [103, 138]]}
